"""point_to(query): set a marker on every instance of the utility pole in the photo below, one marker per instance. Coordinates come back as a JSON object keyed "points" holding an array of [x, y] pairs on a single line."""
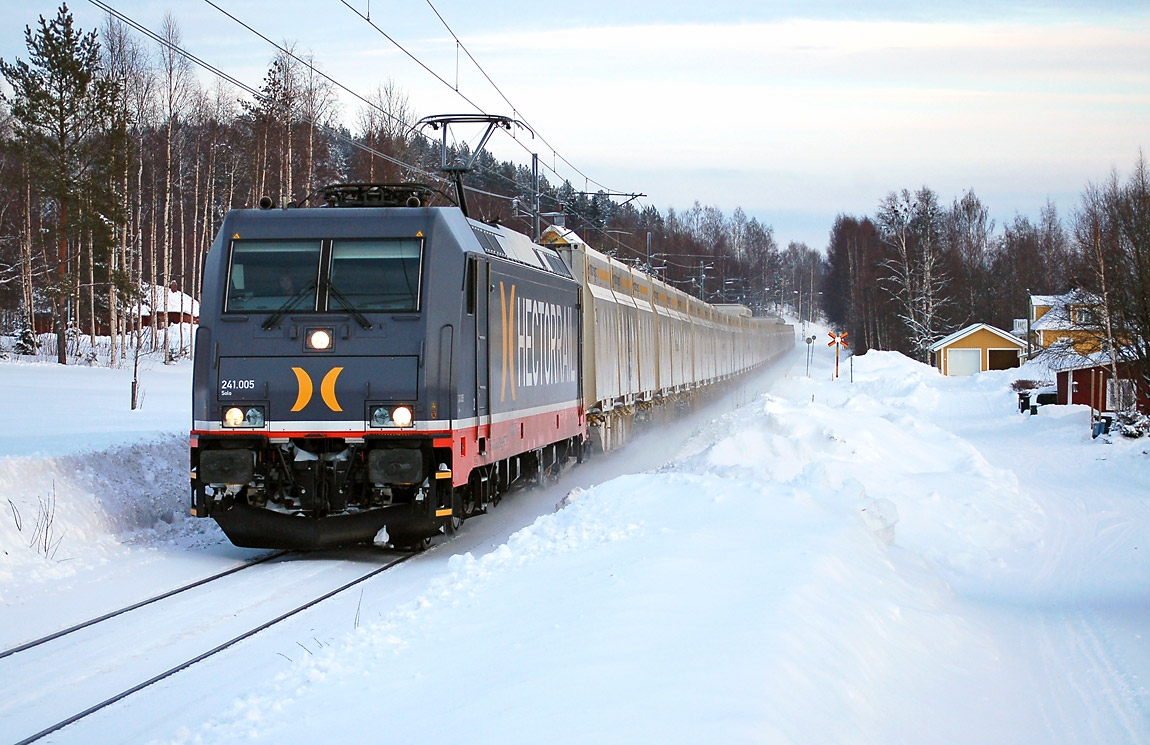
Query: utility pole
{"points": [[810, 302], [535, 194], [1029, 308]]}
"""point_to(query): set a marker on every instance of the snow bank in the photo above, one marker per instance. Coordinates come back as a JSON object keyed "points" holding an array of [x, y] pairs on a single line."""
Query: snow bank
{"points": [[66, 514], [787, 578], [82, 476], [901, 558]]}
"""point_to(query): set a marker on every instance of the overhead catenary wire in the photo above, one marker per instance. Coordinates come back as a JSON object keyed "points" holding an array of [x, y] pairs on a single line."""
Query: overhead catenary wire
{"points": [[464, 96], [124, 18], [409, 129], [513, 107], [555, 153], [331, 130]]}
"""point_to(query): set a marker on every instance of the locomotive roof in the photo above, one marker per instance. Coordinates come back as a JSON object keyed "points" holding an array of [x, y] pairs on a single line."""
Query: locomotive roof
{"points": [[497, 240], [494, 240]]}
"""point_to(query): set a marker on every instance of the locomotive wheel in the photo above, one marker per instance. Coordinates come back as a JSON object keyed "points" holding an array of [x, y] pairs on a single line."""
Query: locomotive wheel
{"points": [[470, 503], [455, 522], [418, 545]]}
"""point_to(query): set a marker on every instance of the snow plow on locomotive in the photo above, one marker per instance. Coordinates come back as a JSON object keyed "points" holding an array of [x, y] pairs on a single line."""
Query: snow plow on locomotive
{"points": [[377, 369]]}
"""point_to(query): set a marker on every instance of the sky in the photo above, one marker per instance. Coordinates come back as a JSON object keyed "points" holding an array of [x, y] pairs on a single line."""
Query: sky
{"points": [[793, 111]]}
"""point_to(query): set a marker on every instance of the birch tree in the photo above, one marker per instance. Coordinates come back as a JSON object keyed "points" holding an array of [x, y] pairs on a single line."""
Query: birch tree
{"points": [[910, 225], [318, 105], [177, 91]]}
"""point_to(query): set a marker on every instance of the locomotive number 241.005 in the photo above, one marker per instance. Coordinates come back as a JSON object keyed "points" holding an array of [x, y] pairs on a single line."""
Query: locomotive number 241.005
{"points": [[228, 387]]}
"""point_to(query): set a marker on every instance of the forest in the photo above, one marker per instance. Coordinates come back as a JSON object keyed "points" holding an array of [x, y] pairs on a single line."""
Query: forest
{"points": [[117, 164]]}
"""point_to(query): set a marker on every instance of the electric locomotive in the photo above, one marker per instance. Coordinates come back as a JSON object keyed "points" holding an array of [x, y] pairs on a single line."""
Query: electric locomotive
{"points": [[377, 369]]}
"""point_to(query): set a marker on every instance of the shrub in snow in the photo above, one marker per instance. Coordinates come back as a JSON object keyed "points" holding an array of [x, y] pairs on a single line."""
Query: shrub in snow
{"points": [[1025, 385], [25, 342], [1131, 424]]}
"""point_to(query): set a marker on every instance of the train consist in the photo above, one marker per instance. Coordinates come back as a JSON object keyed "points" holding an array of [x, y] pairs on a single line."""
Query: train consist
{"points": [[377, 369]]}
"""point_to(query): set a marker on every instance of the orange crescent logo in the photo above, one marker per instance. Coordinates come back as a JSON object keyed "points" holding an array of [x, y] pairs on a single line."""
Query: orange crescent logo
{"points": [[327, 388], [305, 388]]}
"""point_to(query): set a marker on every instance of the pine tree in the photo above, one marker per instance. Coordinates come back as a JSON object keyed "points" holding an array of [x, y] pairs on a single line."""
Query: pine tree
{"points": [[60, 106]]}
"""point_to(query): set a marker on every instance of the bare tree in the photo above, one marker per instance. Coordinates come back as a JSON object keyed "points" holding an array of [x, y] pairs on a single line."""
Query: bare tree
{"points": [[385, 125], [318, 104], [911, 227], [176, 91], [969, 233], [1112, 231]]}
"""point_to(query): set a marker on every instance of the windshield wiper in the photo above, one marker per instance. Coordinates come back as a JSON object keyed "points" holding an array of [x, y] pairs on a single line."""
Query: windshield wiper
{"points": [[360, 318], [274, 319]]}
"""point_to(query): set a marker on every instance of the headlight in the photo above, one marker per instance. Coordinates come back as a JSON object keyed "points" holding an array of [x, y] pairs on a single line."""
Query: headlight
{"points": [[319, 340], [386, 416], [251, 416]]}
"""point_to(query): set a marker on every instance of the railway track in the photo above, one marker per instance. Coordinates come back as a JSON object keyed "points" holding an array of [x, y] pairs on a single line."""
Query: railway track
{"points": [[128, 608], [100, 665]]}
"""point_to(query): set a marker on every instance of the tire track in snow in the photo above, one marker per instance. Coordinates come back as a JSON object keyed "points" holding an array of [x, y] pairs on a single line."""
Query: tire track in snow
{"points": [[1091, 697]]}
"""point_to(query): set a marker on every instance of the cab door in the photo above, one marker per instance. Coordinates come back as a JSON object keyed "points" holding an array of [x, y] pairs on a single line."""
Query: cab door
{"points": [[479, 290]]}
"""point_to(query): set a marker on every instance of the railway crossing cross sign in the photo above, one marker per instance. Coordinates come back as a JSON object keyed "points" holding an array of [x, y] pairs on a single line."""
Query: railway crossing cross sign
{"points": [[838, 341]]}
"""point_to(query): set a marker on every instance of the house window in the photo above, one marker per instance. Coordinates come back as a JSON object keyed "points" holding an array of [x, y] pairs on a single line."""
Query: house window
{"points": [[1119, 394]]}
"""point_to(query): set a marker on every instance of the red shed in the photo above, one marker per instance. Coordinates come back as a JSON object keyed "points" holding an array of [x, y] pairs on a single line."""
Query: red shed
{"points": [[1088, 381]]}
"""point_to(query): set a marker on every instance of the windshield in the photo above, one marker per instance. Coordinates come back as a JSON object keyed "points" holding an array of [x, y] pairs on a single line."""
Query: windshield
{"points": [[267, 275], [378, 274]]}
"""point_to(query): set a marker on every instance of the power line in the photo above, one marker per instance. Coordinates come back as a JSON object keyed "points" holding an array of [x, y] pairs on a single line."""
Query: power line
{"points": [[462, 95], [331, 130], [413, 58], [410, 128], [259, 96], [239, 84], [514, 108]]}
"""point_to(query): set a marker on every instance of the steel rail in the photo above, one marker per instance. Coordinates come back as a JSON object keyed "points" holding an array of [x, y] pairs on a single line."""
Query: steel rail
{"points": [[141, 604], [200, 658]]}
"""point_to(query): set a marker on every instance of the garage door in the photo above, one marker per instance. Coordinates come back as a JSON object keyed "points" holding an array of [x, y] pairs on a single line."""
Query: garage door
{"points": [[963, 361], [1003, 359]]}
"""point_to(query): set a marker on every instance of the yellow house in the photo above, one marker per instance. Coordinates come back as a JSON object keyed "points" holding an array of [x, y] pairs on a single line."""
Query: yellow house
{"points": [[1069, 318], [977, 348]]}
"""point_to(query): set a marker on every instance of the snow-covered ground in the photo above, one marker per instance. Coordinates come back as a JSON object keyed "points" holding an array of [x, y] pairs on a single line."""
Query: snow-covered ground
{"points": [[899, 559]]}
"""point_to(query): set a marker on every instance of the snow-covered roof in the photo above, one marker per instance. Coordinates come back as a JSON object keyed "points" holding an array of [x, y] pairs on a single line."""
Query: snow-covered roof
{"points": [[557, 235], [178, 302], [1055, 319], [1077, 296], [963, 333], [1046, 300], [1064, 357], [1058, 318], [735, 309]]}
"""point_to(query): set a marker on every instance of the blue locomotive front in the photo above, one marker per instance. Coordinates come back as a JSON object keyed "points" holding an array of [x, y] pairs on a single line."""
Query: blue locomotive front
{"points": [[343, 370]]}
